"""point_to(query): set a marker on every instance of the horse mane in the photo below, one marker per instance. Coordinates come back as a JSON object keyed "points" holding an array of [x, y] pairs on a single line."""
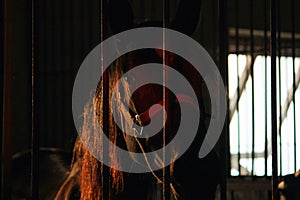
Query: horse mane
{"points": [[86, 171]]}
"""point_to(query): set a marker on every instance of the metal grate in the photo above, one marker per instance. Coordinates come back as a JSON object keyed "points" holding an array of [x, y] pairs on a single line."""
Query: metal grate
{"points": [[263, 74]]}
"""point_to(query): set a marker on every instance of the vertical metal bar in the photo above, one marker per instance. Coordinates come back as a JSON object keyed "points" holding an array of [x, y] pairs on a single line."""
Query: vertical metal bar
{"points": [[252, 75], [102, 87], [238, 79], [266, 85], [279, 83], [273, 97], [34, 103], [294, 80], [6, 145], [105, 170], [223, 63]]}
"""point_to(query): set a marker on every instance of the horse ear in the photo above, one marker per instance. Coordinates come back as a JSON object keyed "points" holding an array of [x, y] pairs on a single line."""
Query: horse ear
{"points": [[120, 15], [187, 16]]}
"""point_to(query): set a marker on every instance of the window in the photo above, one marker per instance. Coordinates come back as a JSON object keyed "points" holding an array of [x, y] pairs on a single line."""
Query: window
{"points": [[250, 115]]}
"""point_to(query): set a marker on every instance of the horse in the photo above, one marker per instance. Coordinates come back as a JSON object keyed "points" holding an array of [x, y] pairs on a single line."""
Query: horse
{"points": [[189, 177]]}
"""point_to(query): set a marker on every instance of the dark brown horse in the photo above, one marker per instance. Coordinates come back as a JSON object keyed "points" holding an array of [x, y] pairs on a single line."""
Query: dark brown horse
{"points": [[188, 177]]}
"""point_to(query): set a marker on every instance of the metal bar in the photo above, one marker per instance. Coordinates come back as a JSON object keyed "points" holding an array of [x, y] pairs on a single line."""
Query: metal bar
{"points": [[247, 155], [238, 78], [252, 83], [266, 86], [294, 81], [279, 82], [105, 170], [273, 28], [223, 63], [244, 33], [103, 179], [6, 151]]}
